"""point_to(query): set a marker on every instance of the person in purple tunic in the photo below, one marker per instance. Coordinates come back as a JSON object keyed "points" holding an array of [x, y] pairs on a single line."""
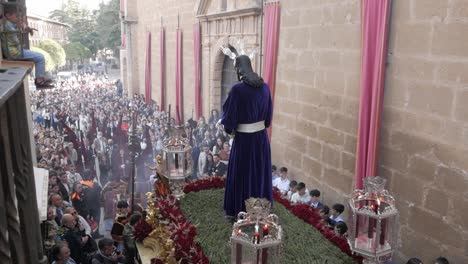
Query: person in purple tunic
{"points": [[247, 113]]}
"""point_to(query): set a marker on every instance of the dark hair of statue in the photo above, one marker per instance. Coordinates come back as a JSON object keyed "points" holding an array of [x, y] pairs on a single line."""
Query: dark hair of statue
{"points": [[244, 70]]}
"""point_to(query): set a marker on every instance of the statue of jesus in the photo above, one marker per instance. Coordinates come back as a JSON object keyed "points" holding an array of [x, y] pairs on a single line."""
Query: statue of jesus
{"points": [[247, 113]]}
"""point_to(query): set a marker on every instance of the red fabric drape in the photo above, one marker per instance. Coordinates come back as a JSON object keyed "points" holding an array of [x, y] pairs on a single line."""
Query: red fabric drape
{"points": [[148, 69], [196, 54], [179, 81], [375, 17], [163, 69], [271, 21]]}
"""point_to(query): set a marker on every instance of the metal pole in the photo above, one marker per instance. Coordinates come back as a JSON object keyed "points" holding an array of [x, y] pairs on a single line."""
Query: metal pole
{"points": [[133, 138]]}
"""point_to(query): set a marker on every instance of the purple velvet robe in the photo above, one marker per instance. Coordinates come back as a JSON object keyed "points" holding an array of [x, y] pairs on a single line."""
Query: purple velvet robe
{"points": [[249, 170]]}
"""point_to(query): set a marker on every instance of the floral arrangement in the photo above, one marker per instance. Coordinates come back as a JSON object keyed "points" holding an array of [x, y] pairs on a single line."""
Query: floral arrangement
{"points": [[183, 233], [205, 184]]}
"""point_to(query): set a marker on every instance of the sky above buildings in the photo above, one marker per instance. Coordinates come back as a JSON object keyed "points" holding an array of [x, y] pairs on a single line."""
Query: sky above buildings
{"points": [[39, 7]]}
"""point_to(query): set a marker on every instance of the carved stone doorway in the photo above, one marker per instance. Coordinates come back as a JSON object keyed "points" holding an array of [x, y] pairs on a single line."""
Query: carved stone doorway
{"points": [[228, 79]]}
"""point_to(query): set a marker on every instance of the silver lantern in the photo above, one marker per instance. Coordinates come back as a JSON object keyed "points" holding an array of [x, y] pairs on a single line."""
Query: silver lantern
{"points": [[373, 231], [256, 236], [177, 160]]}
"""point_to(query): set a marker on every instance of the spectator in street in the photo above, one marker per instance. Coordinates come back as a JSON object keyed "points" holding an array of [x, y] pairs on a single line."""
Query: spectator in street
{"points": [[282, 183], [12, 46], [131, 251], [107, 253], [61, 254]]}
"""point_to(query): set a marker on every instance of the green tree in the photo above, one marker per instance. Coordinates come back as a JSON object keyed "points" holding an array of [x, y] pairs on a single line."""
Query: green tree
{"points": [[82, 24], [55, 50], [108, 26], [95, 30], [76, 51], [49, 62]]}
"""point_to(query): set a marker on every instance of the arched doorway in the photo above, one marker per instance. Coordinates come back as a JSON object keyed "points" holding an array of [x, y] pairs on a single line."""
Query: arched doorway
{"points": [[228, 79]]}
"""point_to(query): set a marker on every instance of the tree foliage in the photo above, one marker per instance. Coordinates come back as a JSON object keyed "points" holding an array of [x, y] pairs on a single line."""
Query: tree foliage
{"points": [[76, 51], [108, 26], [96, 30], [49, 62], [55, 51]]}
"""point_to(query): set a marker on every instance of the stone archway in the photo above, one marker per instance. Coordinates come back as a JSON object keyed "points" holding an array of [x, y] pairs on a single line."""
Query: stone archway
{"points": [[224, 22], [228, 79]]}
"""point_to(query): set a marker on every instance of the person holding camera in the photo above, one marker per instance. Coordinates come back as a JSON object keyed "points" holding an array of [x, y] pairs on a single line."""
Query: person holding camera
{"points": [[107, 253]]}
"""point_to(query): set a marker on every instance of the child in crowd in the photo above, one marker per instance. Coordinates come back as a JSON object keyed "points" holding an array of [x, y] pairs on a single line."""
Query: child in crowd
{"points": [[282, 183], [340, 229], [325, 213], [414, 261], [441, 260], [301, 196], [315, 199], [335, 212], [274, 173], [292, 189]]}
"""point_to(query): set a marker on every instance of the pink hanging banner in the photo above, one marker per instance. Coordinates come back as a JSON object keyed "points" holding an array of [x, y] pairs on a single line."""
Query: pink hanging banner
{"points": [[375, 17], [163, 69], [196, 54], [270, 48], [179, 80], [148, 69]]}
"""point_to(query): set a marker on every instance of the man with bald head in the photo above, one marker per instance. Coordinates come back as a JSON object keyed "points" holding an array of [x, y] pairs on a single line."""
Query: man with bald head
{"points": [[81, 225], [74, 239]]}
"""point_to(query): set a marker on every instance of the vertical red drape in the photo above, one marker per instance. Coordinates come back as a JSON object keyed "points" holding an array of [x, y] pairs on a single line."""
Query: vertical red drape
{"points": [[271, 22], [196, 59], [179, 80], [375, 17], [163, 69], [148, 69]]}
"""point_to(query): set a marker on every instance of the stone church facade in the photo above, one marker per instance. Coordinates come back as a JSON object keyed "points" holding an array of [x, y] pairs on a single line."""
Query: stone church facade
{"points": [[424, 134]]}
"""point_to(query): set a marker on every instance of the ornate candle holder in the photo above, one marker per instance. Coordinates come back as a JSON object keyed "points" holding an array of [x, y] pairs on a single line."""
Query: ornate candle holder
{"points": [[256, 236], [373, 222], [177, 160]]}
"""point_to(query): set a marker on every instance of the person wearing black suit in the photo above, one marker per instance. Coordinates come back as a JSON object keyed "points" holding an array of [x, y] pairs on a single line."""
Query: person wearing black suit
{"points": [[63, 185], [219, 169]]}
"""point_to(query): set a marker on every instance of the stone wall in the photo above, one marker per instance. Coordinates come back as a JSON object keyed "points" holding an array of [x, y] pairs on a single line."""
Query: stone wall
{"points": [[220, 21], [171, 13], [424, 141]]}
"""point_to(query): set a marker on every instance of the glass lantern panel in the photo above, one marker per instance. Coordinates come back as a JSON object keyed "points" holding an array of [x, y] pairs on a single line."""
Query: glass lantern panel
{"points": [[241, 254], [366, 233], [382, 235], [270, 255], [392, 230]]}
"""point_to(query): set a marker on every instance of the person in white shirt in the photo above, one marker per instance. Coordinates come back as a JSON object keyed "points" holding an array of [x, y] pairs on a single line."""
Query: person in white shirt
{"points": [[292, 189], [274, 173], [202, 161], [315, 199], [301, 196], [335, 212], [282, 183], [73, 176]]}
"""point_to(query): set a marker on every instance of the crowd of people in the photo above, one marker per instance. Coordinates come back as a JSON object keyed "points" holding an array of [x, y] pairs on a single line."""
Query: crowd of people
{"points": [[298, 193], [81, 134]]}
